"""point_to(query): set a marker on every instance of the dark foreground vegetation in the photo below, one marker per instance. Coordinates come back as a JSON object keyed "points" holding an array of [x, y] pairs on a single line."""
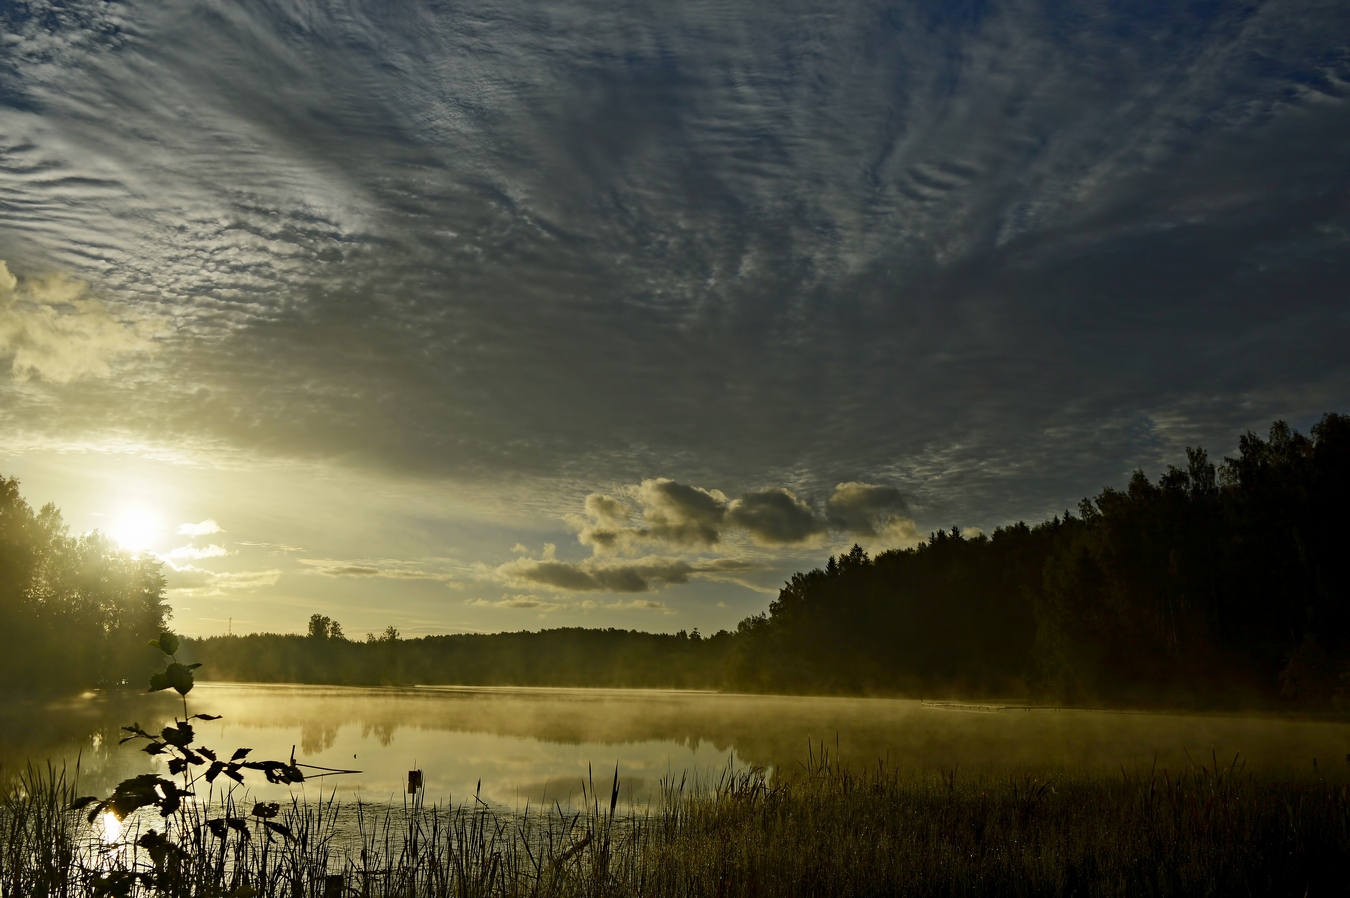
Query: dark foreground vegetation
{"points": [[1208, 830]]}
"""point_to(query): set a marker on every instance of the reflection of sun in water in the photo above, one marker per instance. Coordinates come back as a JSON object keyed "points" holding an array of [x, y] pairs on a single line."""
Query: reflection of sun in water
{"points": [[112, 828], [136, 529]]}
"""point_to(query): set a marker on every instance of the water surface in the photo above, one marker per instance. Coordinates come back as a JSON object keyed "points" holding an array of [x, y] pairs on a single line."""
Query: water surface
{"points": [[516, 745]]}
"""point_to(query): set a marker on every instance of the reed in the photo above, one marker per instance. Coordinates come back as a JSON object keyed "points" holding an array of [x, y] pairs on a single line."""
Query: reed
{"points": [[1210, 829]]}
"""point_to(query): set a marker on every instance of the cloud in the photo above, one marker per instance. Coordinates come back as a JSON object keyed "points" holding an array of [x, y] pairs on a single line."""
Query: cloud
{"points": [[683, 516], [530, 602], [521, 602], [599, 575], [192, 552], [877, 514], [776, 517], [988, 256], [204, 528], [51, 328], [194, 581], [329, 568], [639, 605]]}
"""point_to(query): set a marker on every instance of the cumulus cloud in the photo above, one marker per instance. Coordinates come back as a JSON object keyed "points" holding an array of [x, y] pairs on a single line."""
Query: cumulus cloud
{"points": [[776, 517], [878, 514], [51, 328], [681, 514], [202, 528], [677, 514]]}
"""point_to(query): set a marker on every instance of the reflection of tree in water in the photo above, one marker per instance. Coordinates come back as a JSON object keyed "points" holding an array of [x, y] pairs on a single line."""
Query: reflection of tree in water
{"points": [[317, 736], [383, 731]]}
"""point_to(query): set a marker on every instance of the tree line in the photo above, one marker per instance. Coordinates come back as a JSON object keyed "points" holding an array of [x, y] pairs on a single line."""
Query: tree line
{"points": [[76, 611], [570, 656], [1217, 584]]}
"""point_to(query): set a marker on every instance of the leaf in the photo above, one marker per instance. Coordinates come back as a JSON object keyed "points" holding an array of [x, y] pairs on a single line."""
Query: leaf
{"points": [[146, 790], [168, 643], [194, 666], [180, 735], [266, 809], [280, 828], [240, 753], [179, 677], [159, 681], [208, 753], [154, 748], [177, 765], [82, 802], [243, 891], [214, 770], [218, 827], [278, 772], [202, 716]]}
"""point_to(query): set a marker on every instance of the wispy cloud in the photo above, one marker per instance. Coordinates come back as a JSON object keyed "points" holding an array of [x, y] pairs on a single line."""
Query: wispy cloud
{"points": [[611, 575], [202, 528], [188, 580], [391, 571], [195, 552]]}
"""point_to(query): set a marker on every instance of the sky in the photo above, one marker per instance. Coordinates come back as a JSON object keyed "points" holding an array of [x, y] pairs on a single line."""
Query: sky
{"points": [[469, 317]]}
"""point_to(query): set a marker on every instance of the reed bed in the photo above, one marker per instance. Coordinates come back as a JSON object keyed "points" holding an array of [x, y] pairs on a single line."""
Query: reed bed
{"points": [[1211, 829]]}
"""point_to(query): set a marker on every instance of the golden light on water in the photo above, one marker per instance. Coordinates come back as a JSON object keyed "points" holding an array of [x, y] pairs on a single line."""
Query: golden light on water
{"points": [[137, 528], [112, 828]]}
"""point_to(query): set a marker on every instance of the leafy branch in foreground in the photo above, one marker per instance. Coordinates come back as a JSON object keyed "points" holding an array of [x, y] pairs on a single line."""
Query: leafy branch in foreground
{"points": [[167, 872]]}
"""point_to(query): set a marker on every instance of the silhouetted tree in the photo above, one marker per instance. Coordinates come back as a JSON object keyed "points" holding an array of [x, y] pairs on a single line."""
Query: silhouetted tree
{"points": [[76, 611]]}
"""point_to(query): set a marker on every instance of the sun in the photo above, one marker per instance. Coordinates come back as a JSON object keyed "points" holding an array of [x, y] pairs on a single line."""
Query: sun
{"points": [[137, 528]]}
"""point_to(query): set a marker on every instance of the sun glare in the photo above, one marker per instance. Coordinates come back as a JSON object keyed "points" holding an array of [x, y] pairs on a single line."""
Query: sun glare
{"points": [[136, 529], [112, 828]]}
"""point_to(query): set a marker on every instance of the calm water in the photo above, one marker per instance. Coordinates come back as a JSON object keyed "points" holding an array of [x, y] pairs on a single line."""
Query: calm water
{"points": [[536, 744]]}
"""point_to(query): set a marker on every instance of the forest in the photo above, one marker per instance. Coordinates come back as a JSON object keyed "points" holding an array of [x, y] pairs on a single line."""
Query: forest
{"points": [[75, 611], [1216, 585]]}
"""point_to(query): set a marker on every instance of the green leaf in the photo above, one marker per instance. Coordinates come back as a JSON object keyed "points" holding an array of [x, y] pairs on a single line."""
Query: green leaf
{"points": [[159, 681], [179, 677], [168, 643]]}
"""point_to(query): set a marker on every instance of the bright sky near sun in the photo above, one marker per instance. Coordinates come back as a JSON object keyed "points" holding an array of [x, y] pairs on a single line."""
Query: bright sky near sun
{"points": [[508, 316]]}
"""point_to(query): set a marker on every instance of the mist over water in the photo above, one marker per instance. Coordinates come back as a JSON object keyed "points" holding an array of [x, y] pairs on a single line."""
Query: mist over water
{"points": [[536, 746]]}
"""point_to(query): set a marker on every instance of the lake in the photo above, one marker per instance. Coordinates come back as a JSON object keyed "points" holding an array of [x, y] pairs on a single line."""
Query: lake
{"points": [[516, 745]]}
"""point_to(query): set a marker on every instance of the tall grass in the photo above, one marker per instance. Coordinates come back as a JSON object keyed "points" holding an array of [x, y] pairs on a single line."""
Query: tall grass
{"points": [[1211, 829]]}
